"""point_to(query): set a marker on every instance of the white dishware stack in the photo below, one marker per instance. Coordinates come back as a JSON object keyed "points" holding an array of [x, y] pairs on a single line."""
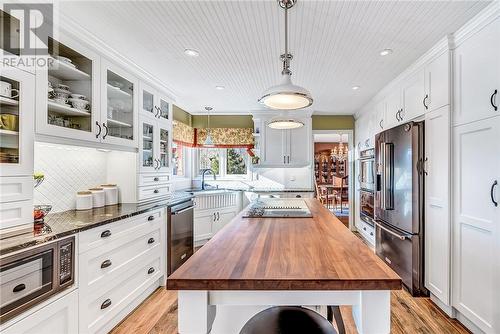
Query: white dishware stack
{"points": [[98, 197], [110, 193], [84, 200]]}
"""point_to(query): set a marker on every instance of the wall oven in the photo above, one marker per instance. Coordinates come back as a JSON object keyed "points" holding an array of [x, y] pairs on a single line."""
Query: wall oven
{"points": [[33, 275], [367, 206], [366, 175]]}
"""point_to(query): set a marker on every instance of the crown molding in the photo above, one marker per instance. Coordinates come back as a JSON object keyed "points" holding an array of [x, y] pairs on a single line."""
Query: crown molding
{"points": [[478, 22]]}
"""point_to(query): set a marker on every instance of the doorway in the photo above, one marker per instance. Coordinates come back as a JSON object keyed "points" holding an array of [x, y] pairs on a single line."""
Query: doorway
{"points": [[334, 171]]}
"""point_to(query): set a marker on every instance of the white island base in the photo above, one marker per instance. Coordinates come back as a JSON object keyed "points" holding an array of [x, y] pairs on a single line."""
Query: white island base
{"points": [[226, 312]]}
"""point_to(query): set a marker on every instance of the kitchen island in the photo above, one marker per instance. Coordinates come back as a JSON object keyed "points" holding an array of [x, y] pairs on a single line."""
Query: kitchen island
{"points": [[255, 263]]}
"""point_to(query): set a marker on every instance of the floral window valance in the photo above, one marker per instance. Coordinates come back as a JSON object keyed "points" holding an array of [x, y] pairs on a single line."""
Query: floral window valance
{"points": [[183, 134], [226, 137]]}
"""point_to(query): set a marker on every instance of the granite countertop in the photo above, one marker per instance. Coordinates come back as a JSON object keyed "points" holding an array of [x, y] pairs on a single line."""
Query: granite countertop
{"points": [[61, 224], [254, 186]]}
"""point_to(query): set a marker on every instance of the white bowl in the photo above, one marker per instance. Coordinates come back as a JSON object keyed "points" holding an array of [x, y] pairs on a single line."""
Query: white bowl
{"points": [[79, 103]]}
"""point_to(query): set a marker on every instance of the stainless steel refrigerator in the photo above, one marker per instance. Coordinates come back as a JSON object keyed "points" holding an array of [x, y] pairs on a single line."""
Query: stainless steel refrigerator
{"points": [[399, 206]]}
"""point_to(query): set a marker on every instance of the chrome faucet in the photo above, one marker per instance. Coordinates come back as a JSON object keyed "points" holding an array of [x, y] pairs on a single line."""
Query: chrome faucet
{"points": [[205, 171]]}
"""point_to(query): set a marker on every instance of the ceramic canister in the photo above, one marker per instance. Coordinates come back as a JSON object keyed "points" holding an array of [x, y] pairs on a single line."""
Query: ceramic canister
{"points": [[110, 193], [98, 197], [84, 200]]}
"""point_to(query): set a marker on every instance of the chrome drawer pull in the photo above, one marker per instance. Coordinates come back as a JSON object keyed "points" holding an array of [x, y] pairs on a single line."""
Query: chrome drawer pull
{"points": [[106, 264], [150, 218], [105, 304], [151, 240], [106, 234], [151, 270]]}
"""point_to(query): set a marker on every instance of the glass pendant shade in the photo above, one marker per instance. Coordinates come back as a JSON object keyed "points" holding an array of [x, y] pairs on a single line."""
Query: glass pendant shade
{"points": [[286, 96], [208, 141]]}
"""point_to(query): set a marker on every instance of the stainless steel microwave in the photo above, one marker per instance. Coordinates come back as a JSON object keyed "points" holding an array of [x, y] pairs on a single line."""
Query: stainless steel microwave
{"points": [[31, 276], [366, 174]]}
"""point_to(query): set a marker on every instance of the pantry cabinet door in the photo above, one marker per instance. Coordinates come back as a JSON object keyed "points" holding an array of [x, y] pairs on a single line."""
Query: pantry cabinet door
{"points": [[437, 203], [119, 101], [72, 69], [476, 264], [17, 105], [413, 94], [477, 76]]}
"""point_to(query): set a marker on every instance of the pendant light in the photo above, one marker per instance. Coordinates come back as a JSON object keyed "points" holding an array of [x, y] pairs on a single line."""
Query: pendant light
{"points": [[286, 95], [284, 123], [208, 141]]}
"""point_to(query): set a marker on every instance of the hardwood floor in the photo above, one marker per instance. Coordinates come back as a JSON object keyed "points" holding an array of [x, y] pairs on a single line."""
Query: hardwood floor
{"points": [[158, 315]]}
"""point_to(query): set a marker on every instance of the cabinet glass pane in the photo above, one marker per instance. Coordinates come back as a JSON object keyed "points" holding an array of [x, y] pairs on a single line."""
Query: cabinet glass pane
{"points": [[69, 88], [163, 148], [120, 109], [164, 109], [9, 120], [147, 101], [10, 38], [147, 145]]}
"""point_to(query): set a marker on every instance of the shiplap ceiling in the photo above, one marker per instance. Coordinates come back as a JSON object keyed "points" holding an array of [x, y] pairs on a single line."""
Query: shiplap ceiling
{"points": [[335, 45]]}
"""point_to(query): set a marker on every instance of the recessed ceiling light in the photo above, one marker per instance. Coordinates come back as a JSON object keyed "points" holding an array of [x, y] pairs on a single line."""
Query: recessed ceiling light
{"points": [[355, 87], [385, 52], [220, 87], [191, 52]]}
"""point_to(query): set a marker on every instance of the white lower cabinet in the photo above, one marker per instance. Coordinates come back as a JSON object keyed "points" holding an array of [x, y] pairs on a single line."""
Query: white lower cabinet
{"points": [[476, 219], [212, 212], [437, 203], [60, 316], [118, 264]]}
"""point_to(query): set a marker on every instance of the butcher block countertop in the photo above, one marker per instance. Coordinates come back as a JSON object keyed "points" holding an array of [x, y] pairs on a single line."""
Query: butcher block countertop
{"points": [[317, 253]]}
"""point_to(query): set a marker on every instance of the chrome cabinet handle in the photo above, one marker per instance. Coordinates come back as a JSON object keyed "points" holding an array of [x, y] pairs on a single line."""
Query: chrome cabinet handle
{"points": [[107, 130], [423, 101], [492, 193], [100, 129], [106, 264], [492, 100], [106, 234], [151, 270], [106, 304], [151, 240]]}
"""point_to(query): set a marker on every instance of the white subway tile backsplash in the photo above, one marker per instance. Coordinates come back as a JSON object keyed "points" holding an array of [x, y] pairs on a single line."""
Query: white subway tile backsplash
{"points": [[67, 169]]}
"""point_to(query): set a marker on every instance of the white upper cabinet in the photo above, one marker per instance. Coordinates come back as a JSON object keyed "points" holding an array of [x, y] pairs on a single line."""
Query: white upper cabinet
{"points": [[437, 203], [119, 101], [393, 108], [17, 105], [476, 219], [413, 94], [72, 75], [153, 103], [437, 82], [477, 75], [298, 143], [379, 120], [273, 146]]}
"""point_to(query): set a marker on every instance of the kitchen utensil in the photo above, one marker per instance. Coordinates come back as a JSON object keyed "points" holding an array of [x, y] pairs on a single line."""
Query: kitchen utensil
{"points": [[98, 197], [6, 90], [110, 193], [40, 211], [9, 122], [84, 200]]}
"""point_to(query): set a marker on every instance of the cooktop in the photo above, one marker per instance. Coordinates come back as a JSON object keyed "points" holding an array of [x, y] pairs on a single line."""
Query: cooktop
{"points": [[278, 208]]}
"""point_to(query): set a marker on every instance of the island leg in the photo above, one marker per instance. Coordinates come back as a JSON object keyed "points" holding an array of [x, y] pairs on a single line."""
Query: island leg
{"points": [[195, 315], [373, 313]]}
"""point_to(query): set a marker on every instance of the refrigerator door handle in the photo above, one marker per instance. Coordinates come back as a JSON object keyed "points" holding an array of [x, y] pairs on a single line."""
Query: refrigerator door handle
{"points": [[397, 235], [387, 196], [382, 176]]}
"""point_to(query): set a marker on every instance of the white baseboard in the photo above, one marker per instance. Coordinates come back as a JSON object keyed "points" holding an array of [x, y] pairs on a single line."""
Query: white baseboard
{"points": [[447, 309]]}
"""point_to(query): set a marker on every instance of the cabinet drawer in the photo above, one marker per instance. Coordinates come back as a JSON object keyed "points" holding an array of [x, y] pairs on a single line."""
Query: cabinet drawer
{"points": [[124, 229], [102, 308], [153, 179], [151, 192], [367, 231], [16, 216], [16, 188], [105, 264]]}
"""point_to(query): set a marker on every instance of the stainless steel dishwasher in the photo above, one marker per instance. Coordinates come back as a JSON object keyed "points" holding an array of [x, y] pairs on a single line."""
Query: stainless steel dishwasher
{"points": [[180, 234]]}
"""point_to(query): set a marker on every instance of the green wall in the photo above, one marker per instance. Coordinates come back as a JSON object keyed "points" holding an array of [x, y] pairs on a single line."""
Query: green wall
{"points": [[182, 116], [332, 122], [223, 121]]}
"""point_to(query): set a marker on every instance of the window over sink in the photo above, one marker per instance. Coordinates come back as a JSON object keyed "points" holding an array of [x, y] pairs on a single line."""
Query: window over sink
{"points": [[225, 162]]}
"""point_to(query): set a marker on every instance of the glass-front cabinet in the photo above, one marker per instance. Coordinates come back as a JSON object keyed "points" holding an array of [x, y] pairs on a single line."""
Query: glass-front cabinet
{"points": [[17, 111], [154, 145], [119, 104], [154, 104], [69, 105]]}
